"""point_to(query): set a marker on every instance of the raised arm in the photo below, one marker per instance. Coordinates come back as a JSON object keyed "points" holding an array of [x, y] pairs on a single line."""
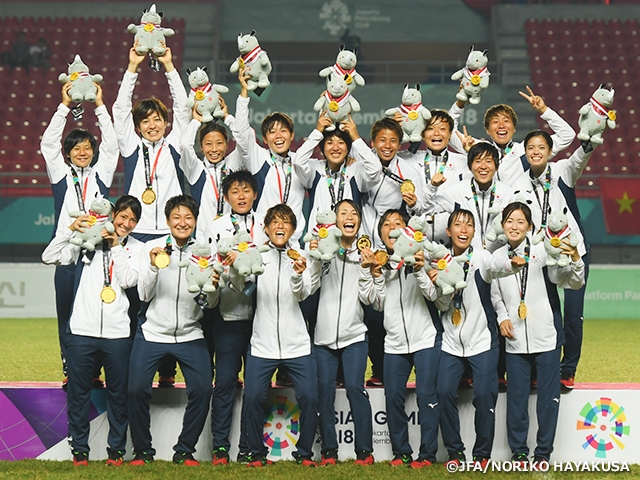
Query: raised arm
{"points": [[190, 163], [108, 151], [51, 143], [245, 136]]}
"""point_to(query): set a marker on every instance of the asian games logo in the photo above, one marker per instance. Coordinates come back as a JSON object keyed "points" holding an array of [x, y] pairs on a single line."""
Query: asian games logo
{"points": [[336, 17], [282, 426], [605, 425]]}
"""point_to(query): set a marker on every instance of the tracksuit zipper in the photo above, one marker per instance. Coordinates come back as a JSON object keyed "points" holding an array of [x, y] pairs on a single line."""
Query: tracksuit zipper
{"points": [[175, 332], [404, 325], [278, 305], [344, 267]]}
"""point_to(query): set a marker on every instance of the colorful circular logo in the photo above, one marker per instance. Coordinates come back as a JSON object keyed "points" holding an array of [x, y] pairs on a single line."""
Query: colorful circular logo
{"points": [[605, 426], [282, 427]]}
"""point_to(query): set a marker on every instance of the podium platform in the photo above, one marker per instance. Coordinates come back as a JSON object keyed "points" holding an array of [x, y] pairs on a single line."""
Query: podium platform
{"points": [[597, 423]]}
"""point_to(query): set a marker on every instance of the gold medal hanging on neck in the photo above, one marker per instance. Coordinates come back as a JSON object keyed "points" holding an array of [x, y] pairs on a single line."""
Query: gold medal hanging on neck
{"points": [[522, 310], [148, 196], [456, 318], [108, 294]]}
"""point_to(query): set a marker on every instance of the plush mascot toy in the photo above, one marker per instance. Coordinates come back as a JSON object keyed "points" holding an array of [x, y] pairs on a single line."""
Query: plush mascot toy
{"points": [[200, 266], [556, 230], [256, 62], [597, 115], [150, 35], [205, 95], [345, 65], [99, 212], [82, 82], [474, 77], [415, 116], [327, 234], [450, 271], [337, 102], [409, 241]]}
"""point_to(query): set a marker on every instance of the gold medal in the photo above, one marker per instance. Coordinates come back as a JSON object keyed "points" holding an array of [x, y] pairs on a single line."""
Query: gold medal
{"points": [[323, 232], [148, 196], [333, 106], [413, 115], [442, 264], [555, 242], [475, 80], [240, 62], [74, 76], [92, 220], [418, 236], [407, 187], [522, 310], [612, 115], [199, 95], [162, 260], [108, 294], [203, 263], [363, 242], [456, 318], [242, 247], [382, 257], [149, 27], [349, 79], [293, 254]]}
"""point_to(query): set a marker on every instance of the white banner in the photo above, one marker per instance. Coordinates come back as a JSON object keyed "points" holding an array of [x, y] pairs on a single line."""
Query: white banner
{"points": [[26, 290], [594, 426]]}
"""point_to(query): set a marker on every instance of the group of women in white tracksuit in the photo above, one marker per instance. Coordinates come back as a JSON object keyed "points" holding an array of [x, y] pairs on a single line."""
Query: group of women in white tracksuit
{"points": [[457, 196]]}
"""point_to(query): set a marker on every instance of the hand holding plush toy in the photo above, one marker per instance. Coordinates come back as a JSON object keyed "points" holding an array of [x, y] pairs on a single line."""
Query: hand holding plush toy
{"points": [[553, 234], [200, 266], [596, 115], [205, 95], [255, 61], [409, 241], [450, 272], [98, 220], [337, 102], [83, 87]]}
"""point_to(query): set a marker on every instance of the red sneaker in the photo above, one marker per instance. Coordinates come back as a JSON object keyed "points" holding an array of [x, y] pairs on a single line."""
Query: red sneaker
{"points": [[81, 459], [420, 463], [401, 459], [115, 459], [567, 382], [259, 462], [328, 461], [220, 456], [141, 459], [306, 462], [374, 382], [365, 458]]}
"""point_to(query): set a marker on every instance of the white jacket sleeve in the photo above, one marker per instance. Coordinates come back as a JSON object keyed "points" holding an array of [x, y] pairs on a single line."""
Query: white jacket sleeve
{"points": [[122, 116], [497, 301], [301, 160], [370, 173], [125, 266], [563, 133], [147, 277], [245, 136], [108, 151], [372, 290], [181, 113], [315, 271], [301, 284], [429, 290], [60, 251], [571, 169], [572, 276], [51, 145], [190, 163]]}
